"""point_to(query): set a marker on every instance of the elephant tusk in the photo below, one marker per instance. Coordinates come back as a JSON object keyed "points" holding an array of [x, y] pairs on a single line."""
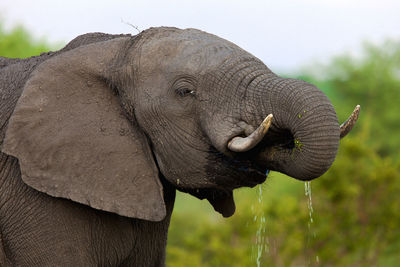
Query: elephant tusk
{"points": [[243, 144], [346, 126]]}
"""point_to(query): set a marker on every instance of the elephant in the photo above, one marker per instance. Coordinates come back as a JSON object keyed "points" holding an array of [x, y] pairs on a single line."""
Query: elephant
{"points": [[97, 137]]}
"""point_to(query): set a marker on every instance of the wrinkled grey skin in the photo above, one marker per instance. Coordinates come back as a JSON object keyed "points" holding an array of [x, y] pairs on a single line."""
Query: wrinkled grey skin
{"points": [[186, 93]]}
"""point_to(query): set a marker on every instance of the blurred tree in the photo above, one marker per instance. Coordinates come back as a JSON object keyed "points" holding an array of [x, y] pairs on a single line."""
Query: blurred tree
{"points": [[19, 43], [358, 204]]}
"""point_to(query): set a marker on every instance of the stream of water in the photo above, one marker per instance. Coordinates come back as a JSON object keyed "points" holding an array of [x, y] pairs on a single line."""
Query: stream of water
{"points": [[262, 242], [311, 232], [261, 237], [307, 189]]}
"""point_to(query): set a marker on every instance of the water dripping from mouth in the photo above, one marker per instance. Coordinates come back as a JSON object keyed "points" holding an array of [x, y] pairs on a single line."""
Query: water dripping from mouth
{"points": [[262, 242]]}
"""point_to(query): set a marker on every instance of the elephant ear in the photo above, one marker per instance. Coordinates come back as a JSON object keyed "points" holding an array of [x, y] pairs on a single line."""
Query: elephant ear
{"points": [[72, 139]]}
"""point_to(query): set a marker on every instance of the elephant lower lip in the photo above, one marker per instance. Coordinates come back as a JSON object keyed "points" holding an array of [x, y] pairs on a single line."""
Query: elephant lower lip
{"points": [[241, 170], [260, 177], [221, 199], [253, 174]]}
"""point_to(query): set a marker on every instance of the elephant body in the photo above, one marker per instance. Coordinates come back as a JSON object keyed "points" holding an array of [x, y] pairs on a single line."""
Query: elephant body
{"points": [[96, 137], [40, 230]]}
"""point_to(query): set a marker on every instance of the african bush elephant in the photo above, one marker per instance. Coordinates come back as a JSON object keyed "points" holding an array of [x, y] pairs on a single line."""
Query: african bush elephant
{"points": [[96, 138]]}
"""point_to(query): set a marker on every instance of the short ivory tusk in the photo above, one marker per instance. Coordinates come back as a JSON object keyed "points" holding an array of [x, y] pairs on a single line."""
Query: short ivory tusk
{"points": [[346, 126], [243, 144]]}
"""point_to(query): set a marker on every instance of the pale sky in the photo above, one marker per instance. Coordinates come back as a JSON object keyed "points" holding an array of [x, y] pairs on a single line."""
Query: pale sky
{"points": [[285, 34]]}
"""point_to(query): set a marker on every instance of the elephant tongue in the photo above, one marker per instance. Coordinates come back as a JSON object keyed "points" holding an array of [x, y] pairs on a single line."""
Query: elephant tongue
{"points": [[223, 204]]}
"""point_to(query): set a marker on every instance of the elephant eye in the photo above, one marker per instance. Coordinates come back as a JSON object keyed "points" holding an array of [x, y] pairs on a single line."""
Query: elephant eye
{"points": [[185, 92], [185, 86]]}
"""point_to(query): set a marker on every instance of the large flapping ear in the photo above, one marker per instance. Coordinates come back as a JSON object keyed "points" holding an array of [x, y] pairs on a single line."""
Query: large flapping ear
{"points": [[73, 140]]}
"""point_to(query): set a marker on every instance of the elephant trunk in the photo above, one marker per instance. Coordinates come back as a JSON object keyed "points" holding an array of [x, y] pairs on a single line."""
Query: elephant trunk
{"points": [[303, 138]]}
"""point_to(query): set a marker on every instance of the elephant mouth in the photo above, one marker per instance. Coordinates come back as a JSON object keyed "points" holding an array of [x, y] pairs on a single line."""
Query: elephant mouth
{"points": [[227, 173], [252, 173], [221, 199], [237, 171]]}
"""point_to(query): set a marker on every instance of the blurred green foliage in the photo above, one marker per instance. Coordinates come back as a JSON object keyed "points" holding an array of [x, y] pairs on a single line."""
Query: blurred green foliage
{"points": [[371, 80], [356, 204], [17, 42]]}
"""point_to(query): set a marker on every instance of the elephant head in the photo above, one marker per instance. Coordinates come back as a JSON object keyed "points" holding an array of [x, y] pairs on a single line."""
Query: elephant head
{"points": [[106, 124]]}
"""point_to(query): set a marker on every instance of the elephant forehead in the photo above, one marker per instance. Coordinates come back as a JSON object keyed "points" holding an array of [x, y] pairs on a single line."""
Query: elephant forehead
{"points": [[187, 50]]}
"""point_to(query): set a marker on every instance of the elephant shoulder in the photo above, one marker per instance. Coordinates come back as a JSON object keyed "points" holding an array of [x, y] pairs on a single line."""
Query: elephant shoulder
{"points": [[4, 61]]}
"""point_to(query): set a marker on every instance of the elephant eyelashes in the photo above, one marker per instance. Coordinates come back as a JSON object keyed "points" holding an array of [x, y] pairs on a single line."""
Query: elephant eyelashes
{"points": [[185, 92], [184, 86]]}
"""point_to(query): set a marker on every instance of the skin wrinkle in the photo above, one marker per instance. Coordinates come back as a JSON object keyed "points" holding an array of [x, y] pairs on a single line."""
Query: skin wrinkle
{"points": [[277, 86], [185, 135], [4, 172], [246, 105], [155, 112], [270, 86], [229, 69], [251, 109], [278, 96], [174, 141], [6, 199], [260, 94], [283, 87], [14, 211]]}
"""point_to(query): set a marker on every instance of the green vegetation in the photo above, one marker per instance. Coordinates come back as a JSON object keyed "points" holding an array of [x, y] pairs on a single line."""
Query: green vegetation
{"points": [[19, 43], [372, 81], [298, 144], [356, 203]]}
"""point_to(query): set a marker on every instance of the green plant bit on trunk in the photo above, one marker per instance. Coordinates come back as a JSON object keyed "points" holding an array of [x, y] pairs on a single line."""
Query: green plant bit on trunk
{"points": [[297, 144]]}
